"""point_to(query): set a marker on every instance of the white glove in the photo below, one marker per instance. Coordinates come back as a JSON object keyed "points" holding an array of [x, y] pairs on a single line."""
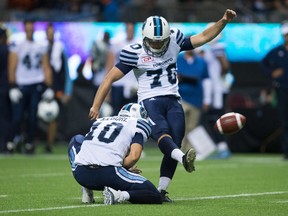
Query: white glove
{"points": [[48, 94], [15, 95]]}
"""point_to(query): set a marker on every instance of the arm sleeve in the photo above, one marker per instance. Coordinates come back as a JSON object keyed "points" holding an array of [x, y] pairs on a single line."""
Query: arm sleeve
{"points": [[124, 68], [187, 45], [138, 138]]}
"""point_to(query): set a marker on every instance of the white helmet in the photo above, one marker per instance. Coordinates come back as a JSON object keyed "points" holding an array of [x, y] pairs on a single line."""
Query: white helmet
{"points": [[48, 110], [156, 36], [133, 110]]}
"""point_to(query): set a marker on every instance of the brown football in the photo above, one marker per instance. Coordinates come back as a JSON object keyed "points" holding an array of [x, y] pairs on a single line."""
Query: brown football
{"points": [[230, 123]]}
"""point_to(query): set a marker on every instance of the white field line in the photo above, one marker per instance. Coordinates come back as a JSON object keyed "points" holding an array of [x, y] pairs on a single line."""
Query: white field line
{"points": [[3, 196], [50, 208], [233, 196], [187, 198], [281, 201]]}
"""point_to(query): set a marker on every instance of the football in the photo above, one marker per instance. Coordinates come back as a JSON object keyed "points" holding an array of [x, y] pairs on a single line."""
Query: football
{"points": [[230, 123]]}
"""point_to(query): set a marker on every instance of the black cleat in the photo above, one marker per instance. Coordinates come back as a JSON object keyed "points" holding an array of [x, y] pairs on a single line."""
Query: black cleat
{"points": [[189, 159], [164, 196]]}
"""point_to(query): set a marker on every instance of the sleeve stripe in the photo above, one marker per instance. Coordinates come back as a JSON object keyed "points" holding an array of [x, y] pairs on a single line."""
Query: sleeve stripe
{"points": [[143, 129], [124, 52], [144, 126], [128, 62], [129, 57], [180, 38]]}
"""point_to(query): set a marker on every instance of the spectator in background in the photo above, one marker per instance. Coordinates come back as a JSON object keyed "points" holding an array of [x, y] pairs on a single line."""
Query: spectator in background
{"points": [[61, 82], [275, 65], [30, 79], [101, 60], [218, 67], [100, 56], [194, 88], [4, 88], [123, 91]]}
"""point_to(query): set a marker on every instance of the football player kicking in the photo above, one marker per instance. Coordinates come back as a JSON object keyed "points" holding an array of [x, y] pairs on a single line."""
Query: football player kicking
{"points": [[153, 61], [102, 159]]}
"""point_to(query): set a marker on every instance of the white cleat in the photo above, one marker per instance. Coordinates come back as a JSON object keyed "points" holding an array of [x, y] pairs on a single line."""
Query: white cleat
{"points": [[87, 196], [112, 196]]}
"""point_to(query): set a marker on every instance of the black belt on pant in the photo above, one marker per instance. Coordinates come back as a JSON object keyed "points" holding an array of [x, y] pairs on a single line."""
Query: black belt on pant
{"points": [[92, 166]]}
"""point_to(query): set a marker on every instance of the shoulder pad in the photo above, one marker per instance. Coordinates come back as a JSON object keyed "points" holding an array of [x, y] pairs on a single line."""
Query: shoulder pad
{"points": [[129, 55], [144, 126], [178, 35]]}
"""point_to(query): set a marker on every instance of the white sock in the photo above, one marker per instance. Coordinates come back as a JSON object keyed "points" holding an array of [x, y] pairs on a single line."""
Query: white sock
{"points": [[222, 146], [125, 195], [163, 183], [177, 154]]}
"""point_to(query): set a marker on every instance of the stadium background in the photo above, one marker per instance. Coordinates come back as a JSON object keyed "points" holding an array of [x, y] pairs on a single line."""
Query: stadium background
{"points": [[247, 40]]}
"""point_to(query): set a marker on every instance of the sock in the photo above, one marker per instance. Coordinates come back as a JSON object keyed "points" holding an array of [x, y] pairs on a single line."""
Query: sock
{"points": [[163, 183], [166, 145], [177, 154]]}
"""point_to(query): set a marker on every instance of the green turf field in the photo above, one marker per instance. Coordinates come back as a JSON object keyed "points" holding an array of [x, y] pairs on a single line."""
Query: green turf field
{"points": [[242, 185]]}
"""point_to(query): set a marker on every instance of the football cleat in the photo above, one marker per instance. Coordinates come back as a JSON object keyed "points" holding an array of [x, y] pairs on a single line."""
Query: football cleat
{"points": [[189, 159], [87, 196], [112, 196], [164, 196]]}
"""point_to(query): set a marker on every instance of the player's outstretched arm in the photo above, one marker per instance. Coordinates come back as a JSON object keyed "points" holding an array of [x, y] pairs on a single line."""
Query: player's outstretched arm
{"points": [[113, 75], [211, 32], [135, 153]]}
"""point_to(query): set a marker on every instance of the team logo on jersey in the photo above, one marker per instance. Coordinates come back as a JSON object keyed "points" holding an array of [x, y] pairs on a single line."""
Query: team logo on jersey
{"points": [[147, 59]]}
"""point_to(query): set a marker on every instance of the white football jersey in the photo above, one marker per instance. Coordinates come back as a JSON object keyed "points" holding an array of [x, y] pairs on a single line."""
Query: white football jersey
{"points": [[156, 76], [29, 68], [109, 139]]}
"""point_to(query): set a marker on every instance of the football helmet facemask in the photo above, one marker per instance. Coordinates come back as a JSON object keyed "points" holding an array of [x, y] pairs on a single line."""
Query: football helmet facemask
{"points": [[133, 110], [156, 36]]}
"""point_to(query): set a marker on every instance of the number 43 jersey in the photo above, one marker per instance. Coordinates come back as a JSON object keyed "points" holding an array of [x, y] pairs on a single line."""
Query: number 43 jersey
{"points": [[109, 140], [29, 66], [156, 75]]}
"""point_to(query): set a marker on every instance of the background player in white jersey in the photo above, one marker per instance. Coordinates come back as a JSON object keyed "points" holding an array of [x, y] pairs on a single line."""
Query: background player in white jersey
{"points": [[153, 61], [102, 159], [218, 68], [29, 76]]}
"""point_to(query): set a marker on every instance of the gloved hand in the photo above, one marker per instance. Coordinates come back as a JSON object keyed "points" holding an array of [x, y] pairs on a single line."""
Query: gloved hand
{"points": [[15, 95], [48, 94]]}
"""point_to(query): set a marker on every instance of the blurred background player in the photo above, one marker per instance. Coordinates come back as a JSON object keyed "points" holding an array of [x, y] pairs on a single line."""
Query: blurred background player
{"points": [[101, 60], [100, 55], [218, 67], [275, 65], [30, 79], [123, 91], [154, 64], [104, 158], [195, 90], [4, 88], [61, 81]]}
